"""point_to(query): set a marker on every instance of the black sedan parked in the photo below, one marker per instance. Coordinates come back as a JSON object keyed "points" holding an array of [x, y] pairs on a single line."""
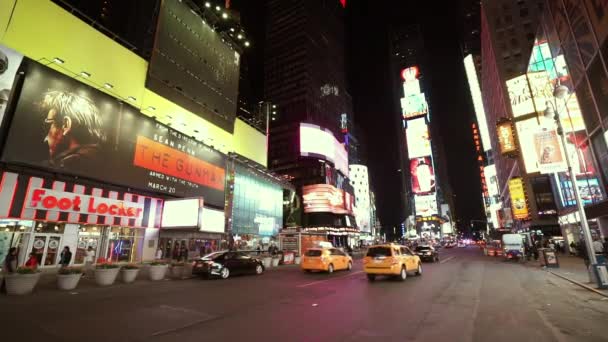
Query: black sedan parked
{"points": [[227, 263], [427, 253]]}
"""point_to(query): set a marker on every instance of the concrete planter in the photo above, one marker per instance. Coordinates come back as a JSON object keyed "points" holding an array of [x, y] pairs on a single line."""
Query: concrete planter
{"points": [[21, 284], [297, 260], [157, 272], [267, 262], [106, 276], [129, 276], [177, 272], [275, 262], [68, 281]]}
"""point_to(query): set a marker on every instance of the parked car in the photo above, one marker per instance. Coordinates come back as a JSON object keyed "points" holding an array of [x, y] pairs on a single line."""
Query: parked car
{"points": [[227, 263], [326, 259], [391, 260], [427, 253]]}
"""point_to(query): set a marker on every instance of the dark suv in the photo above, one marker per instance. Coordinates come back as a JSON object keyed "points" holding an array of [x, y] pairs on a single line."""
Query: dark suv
{"points": [[427, 253]]}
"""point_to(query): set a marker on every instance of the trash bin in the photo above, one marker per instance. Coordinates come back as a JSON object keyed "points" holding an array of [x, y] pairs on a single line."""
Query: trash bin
{"points": [[549, 258], [601, 271]]}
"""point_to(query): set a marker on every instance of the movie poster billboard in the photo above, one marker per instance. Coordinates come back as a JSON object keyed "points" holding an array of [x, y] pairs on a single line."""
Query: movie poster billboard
{"points": [[426, 205], [414, 105], [588, 188], [506, 137], [423, 175], [418, 138], [518, 198], [549, 152], [65, 126], [10, 60], [324, 198]]}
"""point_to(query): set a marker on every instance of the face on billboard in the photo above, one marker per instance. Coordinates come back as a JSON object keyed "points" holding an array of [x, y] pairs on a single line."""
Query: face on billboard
{"points": [[426, 205], [10, 60], [418, 140], [589, 189], [423, 175], [549, 153], [66, 126]]}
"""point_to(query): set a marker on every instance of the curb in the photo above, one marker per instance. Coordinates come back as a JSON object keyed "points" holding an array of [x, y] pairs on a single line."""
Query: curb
{"points": [[589, 288]]}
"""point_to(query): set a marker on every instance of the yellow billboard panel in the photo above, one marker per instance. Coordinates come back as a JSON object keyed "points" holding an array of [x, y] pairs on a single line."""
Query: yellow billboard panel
{"points": [[250, 143], [518, 198]]}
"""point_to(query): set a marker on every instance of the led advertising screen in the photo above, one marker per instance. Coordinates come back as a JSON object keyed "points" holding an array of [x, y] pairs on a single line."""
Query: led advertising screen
{"points": [[214, 221], [480, 113], [520, 96], [541, 89], [423, 175], [414, 105], [518, 198], [182, 213], [526, 130], [324, 198], [65, 126], [192, 66], [321, 143], [426, 205], [418, 139], [10, 60], [589, 190]]}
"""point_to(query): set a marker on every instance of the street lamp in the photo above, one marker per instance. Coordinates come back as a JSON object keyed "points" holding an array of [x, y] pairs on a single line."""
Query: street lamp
{"points": [[561, 93]]}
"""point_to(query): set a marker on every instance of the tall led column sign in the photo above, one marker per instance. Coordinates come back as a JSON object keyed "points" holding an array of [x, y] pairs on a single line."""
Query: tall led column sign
{"points": [[414, 111]]}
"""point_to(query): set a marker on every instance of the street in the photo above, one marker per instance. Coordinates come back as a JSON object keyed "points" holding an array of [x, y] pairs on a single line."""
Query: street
{"points": [[465, 297]]}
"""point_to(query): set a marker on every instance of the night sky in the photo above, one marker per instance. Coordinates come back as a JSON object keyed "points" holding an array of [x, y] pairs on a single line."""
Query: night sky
{"points": [[368, 23]]}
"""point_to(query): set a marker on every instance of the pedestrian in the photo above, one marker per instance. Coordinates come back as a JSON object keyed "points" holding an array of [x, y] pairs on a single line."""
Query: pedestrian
{"points": [[9, 266], [66, 257], [159, 254], [89, 259], [32, 262], [535, 251], [259, 249], [582, 252], [598, 247], [183, 254], [572, 248]]}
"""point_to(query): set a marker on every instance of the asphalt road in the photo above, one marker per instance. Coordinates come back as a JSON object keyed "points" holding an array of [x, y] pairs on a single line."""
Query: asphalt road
{"points": [[466, 297]]}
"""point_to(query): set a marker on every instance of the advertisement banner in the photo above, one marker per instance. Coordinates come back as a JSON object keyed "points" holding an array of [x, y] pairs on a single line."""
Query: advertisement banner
{"points": [[10, 60], [182, 213], [518, 198], [324, 198], [589, 190], [65, 126], [526, 131], [541, 89], [318, 142], [520, 96], [423, 175], [506, 137], [426, 205], [414, 105], [418, 139], [549, 152]]}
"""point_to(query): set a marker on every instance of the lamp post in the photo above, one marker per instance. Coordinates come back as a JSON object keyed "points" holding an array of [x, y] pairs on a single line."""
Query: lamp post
{"points": [[561, 93]]}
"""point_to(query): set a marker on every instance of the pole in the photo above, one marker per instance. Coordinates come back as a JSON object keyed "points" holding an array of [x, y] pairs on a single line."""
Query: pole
{"points": [[577, 196]]}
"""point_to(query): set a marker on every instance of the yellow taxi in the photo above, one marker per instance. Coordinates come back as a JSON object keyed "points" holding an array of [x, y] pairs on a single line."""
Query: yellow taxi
{"points": [[326, 259], [391, 260]]}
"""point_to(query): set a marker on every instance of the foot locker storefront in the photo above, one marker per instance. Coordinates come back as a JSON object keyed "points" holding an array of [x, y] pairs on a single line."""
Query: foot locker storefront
{"points": [[42, 216]]}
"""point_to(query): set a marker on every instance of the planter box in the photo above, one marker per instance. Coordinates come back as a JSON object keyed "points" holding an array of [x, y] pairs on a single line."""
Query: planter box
{"points": [[129, 276], [177, 272], [275, 262], [297, 260], [68, 281], [157, 272], [267, 262], [106, 276], [21, 284]]}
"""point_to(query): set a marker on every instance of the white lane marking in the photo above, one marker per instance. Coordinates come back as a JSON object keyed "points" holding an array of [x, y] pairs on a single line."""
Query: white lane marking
{"points": [[326, 280], [446, 260]]}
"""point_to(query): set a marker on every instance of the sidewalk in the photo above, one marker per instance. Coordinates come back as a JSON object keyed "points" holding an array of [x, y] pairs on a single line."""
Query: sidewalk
{"points": [[573, 269]]}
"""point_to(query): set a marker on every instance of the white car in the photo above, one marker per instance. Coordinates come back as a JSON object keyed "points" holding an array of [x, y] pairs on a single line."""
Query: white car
{"points": [[461, 244]]}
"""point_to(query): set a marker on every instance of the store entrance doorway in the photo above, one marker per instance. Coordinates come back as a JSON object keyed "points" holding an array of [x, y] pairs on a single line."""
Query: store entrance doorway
{"points": [[46, 249]]}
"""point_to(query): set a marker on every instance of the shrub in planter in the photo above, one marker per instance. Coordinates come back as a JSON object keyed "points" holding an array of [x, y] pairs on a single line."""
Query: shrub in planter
{"points": [[68, 277], [157, 270], [275, 260], [129, 273], [22, 281], [105, 274]]}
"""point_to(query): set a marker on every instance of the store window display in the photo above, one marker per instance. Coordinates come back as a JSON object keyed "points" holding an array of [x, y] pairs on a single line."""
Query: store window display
{"points": [[121, 244]]}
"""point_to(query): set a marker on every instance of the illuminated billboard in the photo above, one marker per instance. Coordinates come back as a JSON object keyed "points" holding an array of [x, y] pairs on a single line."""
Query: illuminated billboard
{"points": [[423, 175], [518, 198], [10, 61], [324, 198], [426, 205], [182, 213], [506, 137], [520, 96], [480, 113], [549, 153], [414, 105], [526, 130], [321, 143], [589, 190], [418, 139]]}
